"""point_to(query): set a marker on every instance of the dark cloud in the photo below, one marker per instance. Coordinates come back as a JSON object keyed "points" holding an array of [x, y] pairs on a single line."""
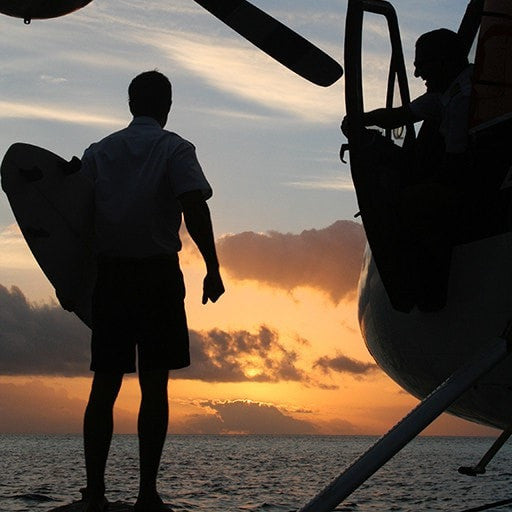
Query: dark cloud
{"points": [[344, 364], [40, 339], [339, 427], [34, 407], [327, 259], [238, 356], [244, 417], [43, 339]]}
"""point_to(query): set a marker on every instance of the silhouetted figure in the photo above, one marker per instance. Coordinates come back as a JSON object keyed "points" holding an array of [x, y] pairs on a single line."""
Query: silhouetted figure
{"points": [[434, 177], [441, 61], [144, 179]]}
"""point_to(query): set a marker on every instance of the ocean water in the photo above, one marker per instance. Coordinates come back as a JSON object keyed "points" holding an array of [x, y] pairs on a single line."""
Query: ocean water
{"points": [[256, 473]]}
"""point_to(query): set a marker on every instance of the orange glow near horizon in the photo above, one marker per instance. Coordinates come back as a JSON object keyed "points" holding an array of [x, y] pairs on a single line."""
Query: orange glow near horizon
{"points": [[307, 326]]}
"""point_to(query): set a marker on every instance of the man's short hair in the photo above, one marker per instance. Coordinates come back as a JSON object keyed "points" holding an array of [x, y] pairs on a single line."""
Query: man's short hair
{"points": [[440, 44], [150, 94]]}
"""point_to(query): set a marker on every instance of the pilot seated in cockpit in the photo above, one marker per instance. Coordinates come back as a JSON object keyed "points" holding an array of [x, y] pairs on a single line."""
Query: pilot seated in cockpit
{"points": [[430, 200], [441, 61]]}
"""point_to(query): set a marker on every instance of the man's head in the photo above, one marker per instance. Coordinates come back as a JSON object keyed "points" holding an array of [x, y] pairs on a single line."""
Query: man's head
{"points": [[440, 57], [150, 94]]}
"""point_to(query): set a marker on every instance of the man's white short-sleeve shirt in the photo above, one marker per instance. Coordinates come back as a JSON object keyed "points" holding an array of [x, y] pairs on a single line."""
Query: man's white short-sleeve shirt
{"points": [[138, 174]]}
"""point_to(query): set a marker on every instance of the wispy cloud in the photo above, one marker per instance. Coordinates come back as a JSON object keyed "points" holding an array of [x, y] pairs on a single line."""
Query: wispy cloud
{"points": [[234, 114], [14, 252], [10, 110], [53, 80], [240, 70], [320, 183]]}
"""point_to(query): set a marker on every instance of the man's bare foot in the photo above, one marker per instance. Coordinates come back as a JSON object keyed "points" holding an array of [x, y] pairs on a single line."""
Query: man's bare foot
{"points": [[92, 502], [95, 505], [151, 503]]}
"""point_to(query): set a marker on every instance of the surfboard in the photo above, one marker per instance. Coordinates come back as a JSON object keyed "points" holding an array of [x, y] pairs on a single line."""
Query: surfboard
{"points": [[53, 205]]}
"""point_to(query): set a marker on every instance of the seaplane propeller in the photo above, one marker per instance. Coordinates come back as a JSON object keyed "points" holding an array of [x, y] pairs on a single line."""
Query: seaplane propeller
{"points": [[276, 40]]}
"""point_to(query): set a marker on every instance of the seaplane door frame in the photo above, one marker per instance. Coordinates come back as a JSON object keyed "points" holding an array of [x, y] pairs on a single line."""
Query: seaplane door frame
{"points": [[354, 99], [376, 163]]}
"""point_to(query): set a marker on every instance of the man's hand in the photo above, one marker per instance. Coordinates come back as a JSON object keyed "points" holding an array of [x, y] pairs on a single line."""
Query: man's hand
{"points": [[199, 226], [213, 287], [387, 118], [344, 126]]}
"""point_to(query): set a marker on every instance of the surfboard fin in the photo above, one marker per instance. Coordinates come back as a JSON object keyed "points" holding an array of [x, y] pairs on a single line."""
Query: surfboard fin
{"points": [[74, 165]]}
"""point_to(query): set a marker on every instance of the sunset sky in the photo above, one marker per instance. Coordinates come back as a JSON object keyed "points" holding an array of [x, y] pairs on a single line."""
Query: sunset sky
{"points": [[281, 351]]}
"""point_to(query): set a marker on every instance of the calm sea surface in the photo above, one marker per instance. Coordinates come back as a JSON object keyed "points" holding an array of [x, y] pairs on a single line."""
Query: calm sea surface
{"points": [[256, 473]]}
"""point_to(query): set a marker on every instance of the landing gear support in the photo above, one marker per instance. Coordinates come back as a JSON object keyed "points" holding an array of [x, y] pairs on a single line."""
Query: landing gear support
{"points": [[479, 469], [410, 426]]}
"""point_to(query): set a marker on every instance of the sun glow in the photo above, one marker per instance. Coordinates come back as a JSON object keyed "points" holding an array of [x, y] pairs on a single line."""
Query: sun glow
{"points": [[252, 372]]}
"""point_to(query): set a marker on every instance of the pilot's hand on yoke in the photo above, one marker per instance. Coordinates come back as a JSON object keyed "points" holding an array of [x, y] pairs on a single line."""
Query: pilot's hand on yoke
{"points": [[344, 126]]}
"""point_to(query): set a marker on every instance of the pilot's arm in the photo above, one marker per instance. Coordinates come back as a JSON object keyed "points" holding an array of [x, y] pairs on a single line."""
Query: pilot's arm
{"points": [[386, 118]]}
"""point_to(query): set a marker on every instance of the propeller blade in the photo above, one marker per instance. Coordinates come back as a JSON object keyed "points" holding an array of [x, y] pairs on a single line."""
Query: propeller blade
{"points": [[276, 40]]}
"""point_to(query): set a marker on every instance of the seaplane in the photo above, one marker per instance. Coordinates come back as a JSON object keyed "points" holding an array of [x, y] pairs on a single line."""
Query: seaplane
{"points": [[453, 357]]}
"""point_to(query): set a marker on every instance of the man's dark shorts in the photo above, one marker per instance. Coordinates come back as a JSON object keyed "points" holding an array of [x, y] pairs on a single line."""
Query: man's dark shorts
{"points": [[138, 306]]}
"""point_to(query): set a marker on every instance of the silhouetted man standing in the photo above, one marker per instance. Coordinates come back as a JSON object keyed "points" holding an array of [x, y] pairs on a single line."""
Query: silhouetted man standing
{"points": [[144, 179]]}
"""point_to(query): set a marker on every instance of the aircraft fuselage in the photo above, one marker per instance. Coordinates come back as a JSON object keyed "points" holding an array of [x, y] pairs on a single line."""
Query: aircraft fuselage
{"points": [[419, 350]]}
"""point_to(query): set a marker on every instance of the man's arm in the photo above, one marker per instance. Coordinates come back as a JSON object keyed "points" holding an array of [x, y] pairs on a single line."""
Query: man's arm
{"points": [[389, 118], [199, 225], [386, 118]]}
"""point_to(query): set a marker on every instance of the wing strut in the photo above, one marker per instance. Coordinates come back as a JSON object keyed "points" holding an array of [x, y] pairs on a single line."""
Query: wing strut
{"points": [[411, 425]]}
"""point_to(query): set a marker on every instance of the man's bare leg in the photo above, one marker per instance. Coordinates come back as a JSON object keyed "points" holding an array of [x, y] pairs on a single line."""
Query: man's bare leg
{"points": [[98, 428], [152, 428]]}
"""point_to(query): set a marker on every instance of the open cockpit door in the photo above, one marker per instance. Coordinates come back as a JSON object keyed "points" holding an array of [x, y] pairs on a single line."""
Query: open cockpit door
{"points": [[377, 163], [417, 201], [397, 75]]}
